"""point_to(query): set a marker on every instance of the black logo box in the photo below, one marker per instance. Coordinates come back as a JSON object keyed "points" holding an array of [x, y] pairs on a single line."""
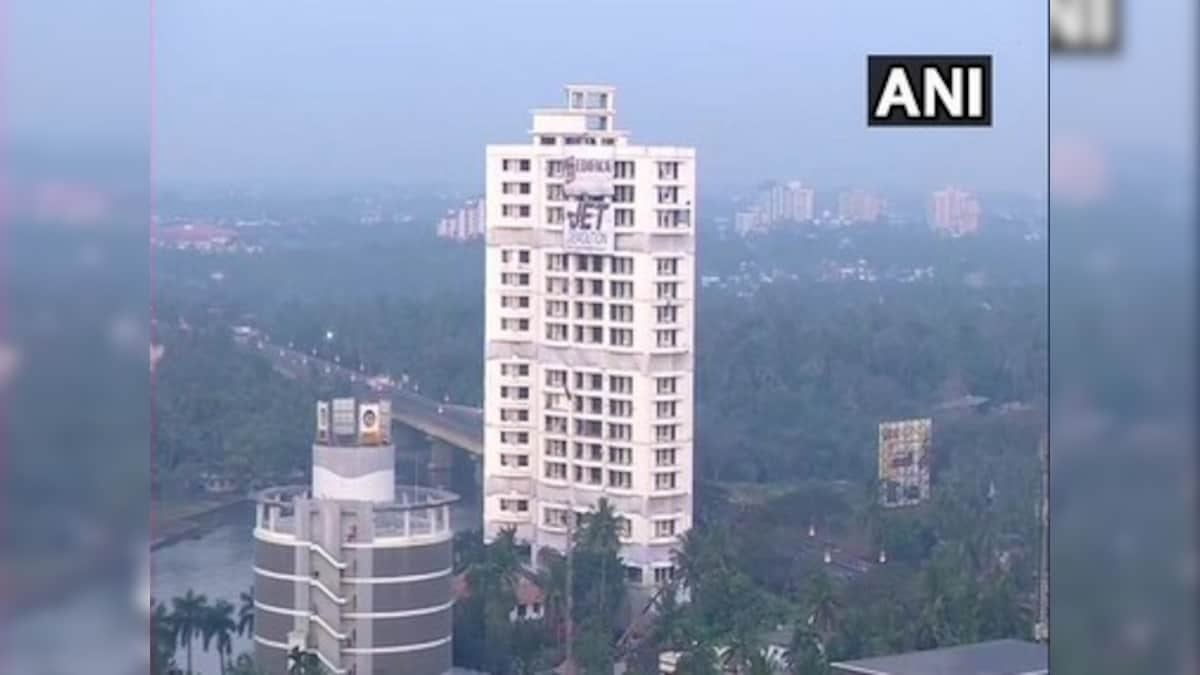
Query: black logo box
{"points": [[878, 67]]}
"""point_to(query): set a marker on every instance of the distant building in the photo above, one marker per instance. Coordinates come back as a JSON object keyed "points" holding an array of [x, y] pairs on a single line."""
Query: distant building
{"points": [[217, 484], [954, 212], [967, 403], [465, 223], [789, 202], [197, 236], [904, 461], [749, 222], [859, 206], [998, 657], [354, 568], [201, 237]]}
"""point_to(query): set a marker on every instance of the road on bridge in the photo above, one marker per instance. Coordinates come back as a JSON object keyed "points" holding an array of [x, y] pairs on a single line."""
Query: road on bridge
{"points": [[461, 426]]}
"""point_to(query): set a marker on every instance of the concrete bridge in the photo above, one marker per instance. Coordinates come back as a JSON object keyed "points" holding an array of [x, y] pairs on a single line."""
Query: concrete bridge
{"points": [[443, 425], [458, 425]]}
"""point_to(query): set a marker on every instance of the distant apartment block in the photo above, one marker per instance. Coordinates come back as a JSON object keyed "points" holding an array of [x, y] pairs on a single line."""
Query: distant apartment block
{"points": [[789, 202], [954, 212], [465, 223], [859, 206]]}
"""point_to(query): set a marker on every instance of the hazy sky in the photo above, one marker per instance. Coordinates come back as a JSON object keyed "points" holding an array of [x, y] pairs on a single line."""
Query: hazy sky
{"points": [[291, 90], [412, 91]]}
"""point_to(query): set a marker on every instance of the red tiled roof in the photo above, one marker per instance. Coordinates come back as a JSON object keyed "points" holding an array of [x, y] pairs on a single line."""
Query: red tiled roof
{"points": [[194, 232], [527, 591]]}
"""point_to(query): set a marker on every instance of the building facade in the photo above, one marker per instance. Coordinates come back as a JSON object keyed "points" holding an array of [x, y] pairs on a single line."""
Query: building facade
{"points": [[589, 337], [954, 212], [465, 223], [859, 206], [790, 202], [353, 568]]}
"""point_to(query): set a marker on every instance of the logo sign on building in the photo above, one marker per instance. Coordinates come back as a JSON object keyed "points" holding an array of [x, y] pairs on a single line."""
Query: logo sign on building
{"points": [[368, 423], [343, 417], [589, 226], [588, 184], [929, 91], [322, 420], [588, 172], [1084, 26]]}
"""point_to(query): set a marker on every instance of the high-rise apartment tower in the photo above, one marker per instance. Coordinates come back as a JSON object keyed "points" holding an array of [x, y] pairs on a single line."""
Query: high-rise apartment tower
{"points": [[590, 316]]}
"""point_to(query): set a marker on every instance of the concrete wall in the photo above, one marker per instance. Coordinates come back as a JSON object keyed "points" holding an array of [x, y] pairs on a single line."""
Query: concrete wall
{"points": [[275, 557], [410, 560], [360, 472], [270, 659], [385, 582], [434, 661]]}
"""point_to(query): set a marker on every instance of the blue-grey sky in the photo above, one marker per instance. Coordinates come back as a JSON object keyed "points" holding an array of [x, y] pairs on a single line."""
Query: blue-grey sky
{"points": [[295, 90]]}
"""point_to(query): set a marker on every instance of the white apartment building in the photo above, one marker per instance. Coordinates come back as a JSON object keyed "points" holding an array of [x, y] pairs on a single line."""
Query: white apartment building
{"points": [[789, 202], [464, 223], [590, 316], [859, 206], [954, 212]]}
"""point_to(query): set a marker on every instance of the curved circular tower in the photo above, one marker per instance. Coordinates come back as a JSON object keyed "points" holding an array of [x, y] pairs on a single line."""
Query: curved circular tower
{"points": [[353, 568]]}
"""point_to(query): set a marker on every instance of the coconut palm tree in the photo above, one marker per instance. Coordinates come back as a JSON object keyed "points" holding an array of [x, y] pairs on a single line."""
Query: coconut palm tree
{"points": [[601, 530], [700, 557], [742, 651], [687, 558], [496, 575], [245, 619], [187, 616], [493, 581], [760, 663], [670, 618], [162, 639], [824, 606], [869, 512], [552, 579], [935, 625], [805, 652], [469, 549], [598, 579], [700, 658], [219, 624]]}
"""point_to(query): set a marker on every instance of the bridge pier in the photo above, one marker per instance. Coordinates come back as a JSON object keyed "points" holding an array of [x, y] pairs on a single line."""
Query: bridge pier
{"points": [[411, 446], [407, 439], [441, 462]]}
